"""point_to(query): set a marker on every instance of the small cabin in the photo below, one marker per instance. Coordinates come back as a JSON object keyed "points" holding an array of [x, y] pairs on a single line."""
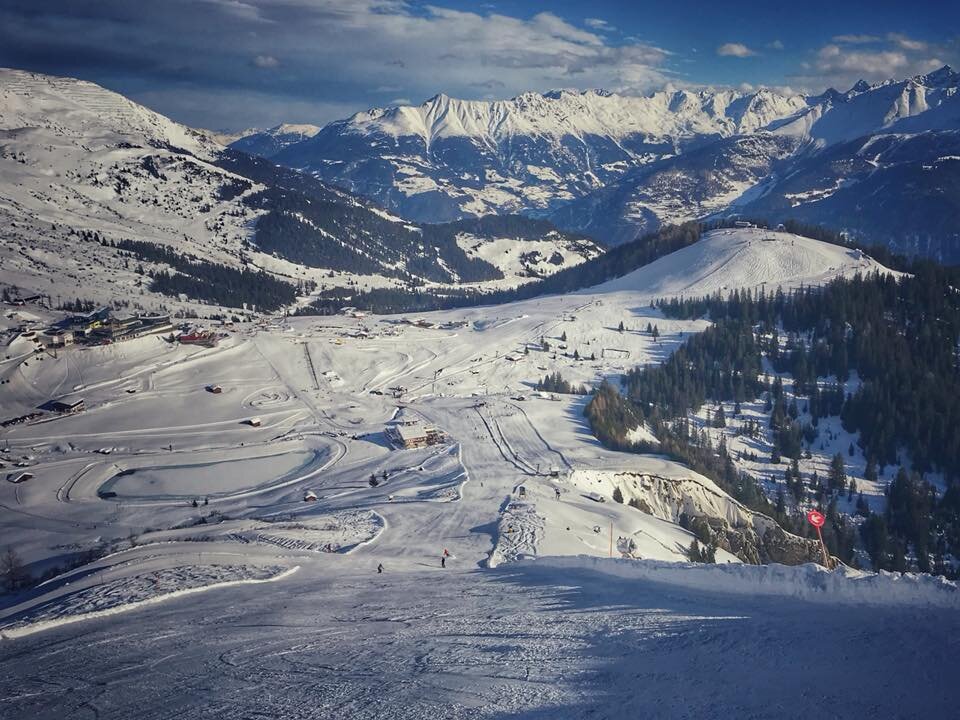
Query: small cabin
{"points": [[215, 389], [254, 422], [309, 496]]}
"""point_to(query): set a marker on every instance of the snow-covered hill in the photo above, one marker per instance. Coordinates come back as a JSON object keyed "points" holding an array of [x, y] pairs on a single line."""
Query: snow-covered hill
{"points": [[743, 258], [82, 167], [76, 157]]}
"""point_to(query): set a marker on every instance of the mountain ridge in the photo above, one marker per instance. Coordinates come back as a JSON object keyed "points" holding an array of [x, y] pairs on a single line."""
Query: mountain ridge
{"points": [[667, 157]]}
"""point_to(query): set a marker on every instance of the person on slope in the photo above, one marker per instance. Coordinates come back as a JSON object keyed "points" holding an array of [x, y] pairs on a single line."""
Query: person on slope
{"points": [[380, 569]]}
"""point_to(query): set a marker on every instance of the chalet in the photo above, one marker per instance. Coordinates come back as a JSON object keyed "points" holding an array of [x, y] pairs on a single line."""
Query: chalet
{"points": [[254, 422], [65, 405], [408, 435], [215, 389]]}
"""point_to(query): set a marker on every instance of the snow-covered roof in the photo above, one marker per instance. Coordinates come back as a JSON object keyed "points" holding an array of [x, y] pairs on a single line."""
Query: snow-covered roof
{"points": [[410, 432]]}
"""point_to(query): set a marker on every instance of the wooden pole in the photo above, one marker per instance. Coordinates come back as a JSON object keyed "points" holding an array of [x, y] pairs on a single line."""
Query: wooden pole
{"points": [[826, 558]]}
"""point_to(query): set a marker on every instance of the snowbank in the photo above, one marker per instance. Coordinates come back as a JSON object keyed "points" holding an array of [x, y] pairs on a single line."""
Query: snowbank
{"points": [[117, 597], [803, 582]]}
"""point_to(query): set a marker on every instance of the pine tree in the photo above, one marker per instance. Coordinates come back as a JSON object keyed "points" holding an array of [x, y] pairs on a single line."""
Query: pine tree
{"points": [[12, 570], [617, 495], [720, 419], [838, 476]]}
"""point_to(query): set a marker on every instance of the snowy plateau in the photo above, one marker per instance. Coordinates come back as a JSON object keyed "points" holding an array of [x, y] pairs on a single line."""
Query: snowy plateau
{"points": [[266, 515]]}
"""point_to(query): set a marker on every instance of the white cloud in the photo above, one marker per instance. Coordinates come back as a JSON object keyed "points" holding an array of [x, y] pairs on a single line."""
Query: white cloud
{"points": [[832, 59], [906, 43], [856, 39], [775, 45], [735, 50], [267, 62], [599, 25]]}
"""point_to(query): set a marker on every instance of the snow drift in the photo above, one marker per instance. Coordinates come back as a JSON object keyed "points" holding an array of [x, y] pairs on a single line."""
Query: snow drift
{"points": [[803, 582]]}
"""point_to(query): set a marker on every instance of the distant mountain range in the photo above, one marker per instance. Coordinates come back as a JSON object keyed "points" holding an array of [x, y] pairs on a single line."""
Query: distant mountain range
{"points": [[875, 160]]}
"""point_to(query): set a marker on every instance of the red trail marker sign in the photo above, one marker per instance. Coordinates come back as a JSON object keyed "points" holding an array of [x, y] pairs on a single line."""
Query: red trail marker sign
{"points": [[817, 519]]}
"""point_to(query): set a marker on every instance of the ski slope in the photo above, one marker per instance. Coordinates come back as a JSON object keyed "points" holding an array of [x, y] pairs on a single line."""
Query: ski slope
{"points": [[541, 639]]}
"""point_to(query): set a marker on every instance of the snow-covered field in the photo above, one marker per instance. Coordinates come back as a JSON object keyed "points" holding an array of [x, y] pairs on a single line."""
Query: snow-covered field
{"points": [[168, 488]]}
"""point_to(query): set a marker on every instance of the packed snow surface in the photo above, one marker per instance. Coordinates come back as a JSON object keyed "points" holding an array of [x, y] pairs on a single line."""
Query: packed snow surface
{"points": [[526, 640]]}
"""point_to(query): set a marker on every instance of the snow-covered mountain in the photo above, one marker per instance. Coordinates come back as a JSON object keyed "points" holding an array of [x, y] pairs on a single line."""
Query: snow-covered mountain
{"points": [[267, 143], [83, 168], [450, 158], [614, 166], [875, 161]]}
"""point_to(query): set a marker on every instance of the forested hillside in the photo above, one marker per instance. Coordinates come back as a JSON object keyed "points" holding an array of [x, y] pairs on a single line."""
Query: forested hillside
{"points": [[897, 338]]}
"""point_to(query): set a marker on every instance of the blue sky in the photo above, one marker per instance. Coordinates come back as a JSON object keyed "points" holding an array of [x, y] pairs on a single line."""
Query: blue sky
{"points": [[228, 64]]}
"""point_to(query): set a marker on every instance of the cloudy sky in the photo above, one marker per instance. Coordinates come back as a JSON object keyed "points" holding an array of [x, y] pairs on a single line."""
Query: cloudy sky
{"points": [[231, 64]]}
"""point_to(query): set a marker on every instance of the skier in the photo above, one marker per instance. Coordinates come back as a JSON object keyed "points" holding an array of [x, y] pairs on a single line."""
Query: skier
{"points": [[557, 491], [380, 569], [443, 561]]}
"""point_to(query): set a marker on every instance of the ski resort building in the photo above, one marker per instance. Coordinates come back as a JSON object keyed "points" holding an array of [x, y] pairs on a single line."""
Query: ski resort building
{"points": [[408, 435]]}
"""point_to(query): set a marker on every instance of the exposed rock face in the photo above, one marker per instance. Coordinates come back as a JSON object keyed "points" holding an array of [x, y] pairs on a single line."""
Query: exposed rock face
{"points": [[715, 518], [772, 545]]}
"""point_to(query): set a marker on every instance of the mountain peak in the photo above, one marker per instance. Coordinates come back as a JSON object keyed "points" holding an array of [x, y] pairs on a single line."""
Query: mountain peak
{"points": [[861, 86], [944, 77]]}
